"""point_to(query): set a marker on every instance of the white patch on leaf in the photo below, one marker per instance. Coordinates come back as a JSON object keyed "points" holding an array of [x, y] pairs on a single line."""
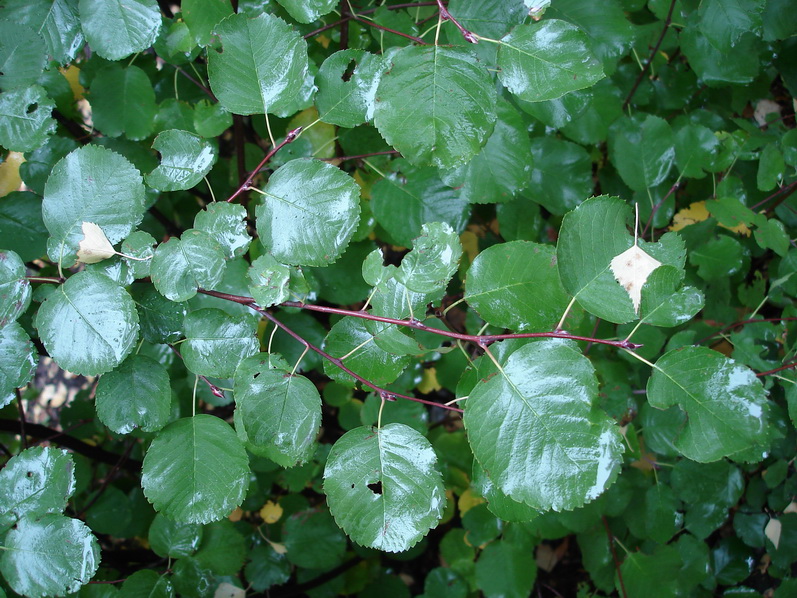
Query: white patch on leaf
{"points": [[772, 531], [95, 246], [631, 269]]}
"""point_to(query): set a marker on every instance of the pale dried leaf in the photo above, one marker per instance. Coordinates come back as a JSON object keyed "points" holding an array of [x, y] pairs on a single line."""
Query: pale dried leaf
{"points": [[631, 269], [791, 508], [278, 548], [227, 590], [271, 512], [95, 246], [772, 531]]}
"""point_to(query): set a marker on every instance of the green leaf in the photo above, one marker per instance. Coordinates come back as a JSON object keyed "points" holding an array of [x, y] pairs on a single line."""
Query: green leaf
{"points": [[773, 236], [695, 148], [123, 102], [739, 64], [433, 260], [268, 281], [225, 222], [347, 83], [135, 395], [383, 486], [546, 60], [215, 342], [168, 538], [435, 105], [18, 361], [516, 285], [38, 481], [307, 11], [642, 150], [499, 503], [161, 320], [505, 570], [181, 266], [502, 167], [196, 470], [91, 184], [653, 575], [27, 120], [56, 21], [22, 55], [49, 556], [202, 16], [351, 339], [313, 540], [185, 160], [21, 226], [146, 584], [223, 548], [717, 258], [277, 414], [664, 304], [402, 204], [562, 175], [536, 431], [15, 291], [261, 64], [725, 404], [89, 324], [771, 168], [210, 119], [266, 568], [590, 237], [115, 29], [322, 205], [490, 18], [724, 21]]}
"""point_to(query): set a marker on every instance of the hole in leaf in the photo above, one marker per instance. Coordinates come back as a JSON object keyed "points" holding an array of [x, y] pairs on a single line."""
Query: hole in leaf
{"points": [[30, 474], [350, 68], [352, 486], [32, 108], [376, 487], [256, 375]]}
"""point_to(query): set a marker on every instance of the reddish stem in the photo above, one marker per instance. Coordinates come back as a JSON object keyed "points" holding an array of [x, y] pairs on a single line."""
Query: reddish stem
{"points": [[742, 323], [366, 12], [446, 16], [614, 556]]}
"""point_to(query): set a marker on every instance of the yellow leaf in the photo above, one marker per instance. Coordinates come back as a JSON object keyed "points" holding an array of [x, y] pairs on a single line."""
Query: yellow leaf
{"points": [[271, 512], [95, 246], [772, 531], [72, 75], [278, 548], [470, 244], [9, 173], [631, 269], [429, 381], [236, 515], [697, 212], [468, 500]]}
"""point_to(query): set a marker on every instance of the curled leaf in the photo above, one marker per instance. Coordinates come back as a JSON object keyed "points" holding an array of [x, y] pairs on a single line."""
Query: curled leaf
{"points": [[95, 246]]}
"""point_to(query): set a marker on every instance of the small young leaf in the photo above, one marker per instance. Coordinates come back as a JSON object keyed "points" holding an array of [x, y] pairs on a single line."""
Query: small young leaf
{"points": [[433, 260], [383, 486], [185, 159]]}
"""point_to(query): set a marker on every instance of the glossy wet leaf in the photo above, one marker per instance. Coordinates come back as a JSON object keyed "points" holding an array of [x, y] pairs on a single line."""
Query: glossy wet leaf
{"points": [[516, 285], [491, 18], [347, 83], [181, 266], [723, 22], [663, 303], [161, 320], [536, 431], [590, 237], [15, 291], [89, 324], [433, 260], [383, 486], [123, 102], [37, 481], [717, 258], [169, 538], [546, 60], [91, 184], [18, 361], [147, 583], [261, 64], [435, 105], [499, 503], [738, 64], [202, 16], [277, 413], [725, 403], [268, 281], [21, 226], [135, 395], [196, 470], [215, 342], [562, 174], [655, 575], [642, 150], [56, 22], [309, 213], [307, 11], [115, 29], [22, 54], [48, 556], [27, 120], [185, 159], [225, 222]]}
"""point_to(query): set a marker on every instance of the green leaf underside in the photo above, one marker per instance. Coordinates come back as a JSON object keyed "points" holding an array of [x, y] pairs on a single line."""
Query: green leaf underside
{"points": [[261, 65], [49, 556], [435, 105], [535, 431], [196, 470], [309, 213], [89, 324], [383, 486], [516, 285], [277, 414], [725, 403], [91, 184], [546, 60]]}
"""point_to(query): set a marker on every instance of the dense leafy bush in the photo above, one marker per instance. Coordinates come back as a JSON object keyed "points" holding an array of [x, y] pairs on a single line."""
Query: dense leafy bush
{"points": [[500, 300]]}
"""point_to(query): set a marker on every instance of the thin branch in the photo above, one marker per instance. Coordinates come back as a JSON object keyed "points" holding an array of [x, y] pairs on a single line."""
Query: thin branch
{"points": [[788, 366], [361, 156], [196, 82], [366, 12], [417, 40], [646, 68], [781, 194], [446, 16], [247, 184], [742, 323], [614, 556]]}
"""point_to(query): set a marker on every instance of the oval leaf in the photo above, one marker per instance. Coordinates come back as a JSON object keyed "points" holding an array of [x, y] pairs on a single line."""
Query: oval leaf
{"points": [[115, 29], [18, 361], [347, 83], [433, 260], [27, 120], [181, 266], [215, 342], [185, 159], [536, 432], [15, 291], [89, 324], [309, 213], [225, 222], [196, 470], [383, 486]]}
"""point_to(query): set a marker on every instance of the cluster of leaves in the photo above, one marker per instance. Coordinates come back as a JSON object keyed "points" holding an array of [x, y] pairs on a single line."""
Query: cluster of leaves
{"points": [[500, 296]]}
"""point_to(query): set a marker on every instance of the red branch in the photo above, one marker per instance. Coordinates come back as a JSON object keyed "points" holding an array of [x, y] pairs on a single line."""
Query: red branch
{"points": [[446, 16]]}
